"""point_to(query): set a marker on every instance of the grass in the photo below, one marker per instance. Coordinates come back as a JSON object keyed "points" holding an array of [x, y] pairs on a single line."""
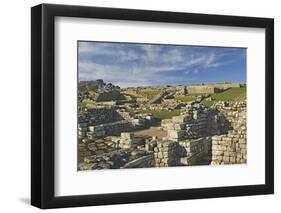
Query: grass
{"points": [[208, 103], [234, 94], [185, 99], [85, 103], [162, 114]]}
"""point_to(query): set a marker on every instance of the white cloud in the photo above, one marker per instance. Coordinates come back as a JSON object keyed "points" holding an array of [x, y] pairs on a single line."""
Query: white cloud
{"points": [[128, 64]]}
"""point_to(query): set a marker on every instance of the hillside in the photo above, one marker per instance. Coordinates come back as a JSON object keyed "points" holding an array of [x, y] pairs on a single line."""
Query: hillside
{"points": [[234, 94]]}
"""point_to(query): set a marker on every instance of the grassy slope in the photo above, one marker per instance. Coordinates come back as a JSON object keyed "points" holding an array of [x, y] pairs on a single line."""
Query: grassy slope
{"points": [[234, 94]]}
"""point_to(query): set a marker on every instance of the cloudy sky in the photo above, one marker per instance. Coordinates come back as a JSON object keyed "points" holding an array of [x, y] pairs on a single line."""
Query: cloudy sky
{"points": [[129, 64]]}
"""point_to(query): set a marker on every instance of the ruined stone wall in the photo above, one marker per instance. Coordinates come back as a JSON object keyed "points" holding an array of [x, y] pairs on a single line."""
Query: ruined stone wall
{"points": [[226, 85], [112, 95], [195, 122], [114, 128], [99, 115], [211, 88], [194, 128], [183, 153], [231, 148], [198, 151], [104, 121], [167, 153], [192, 131], [202, 89]]}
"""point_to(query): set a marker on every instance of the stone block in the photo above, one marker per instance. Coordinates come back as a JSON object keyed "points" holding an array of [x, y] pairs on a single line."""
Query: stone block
{"points": [[176, 135], [127, 135], [226, 159]]}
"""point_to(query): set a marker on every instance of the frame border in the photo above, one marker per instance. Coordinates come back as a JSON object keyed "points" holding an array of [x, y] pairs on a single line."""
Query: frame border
{"points": [[43, 111]]}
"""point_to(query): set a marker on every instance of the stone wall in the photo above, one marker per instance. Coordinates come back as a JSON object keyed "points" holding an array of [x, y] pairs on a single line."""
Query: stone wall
{"points": [[99, 115], [226, 85], [127, 140], [211, 88], [198, 151], [167, 153], [114, 128], [112, 95], [231, 148], [195, 121], [108, 121], [194, 129], [185, 153], [202, 89]]}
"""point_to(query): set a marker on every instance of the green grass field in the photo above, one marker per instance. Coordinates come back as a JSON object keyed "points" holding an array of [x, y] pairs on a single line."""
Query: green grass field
{"points": [[161, 114], [234, 94]]}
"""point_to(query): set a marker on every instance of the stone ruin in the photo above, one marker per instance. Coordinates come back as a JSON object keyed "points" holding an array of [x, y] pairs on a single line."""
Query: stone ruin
{"points": [[231, 148], [104, 121], [216, 136], [211, 88], [167, 153], [208, 136], [198, 136]]}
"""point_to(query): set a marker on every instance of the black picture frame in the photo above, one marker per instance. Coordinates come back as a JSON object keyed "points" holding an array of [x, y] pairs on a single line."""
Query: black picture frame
{"points": [[43, 102]]}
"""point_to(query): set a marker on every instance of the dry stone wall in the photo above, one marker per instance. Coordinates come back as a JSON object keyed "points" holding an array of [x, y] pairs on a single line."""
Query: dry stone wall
{"points": [[109, 96], [198, 151], [128, 140], [108, 121], [113, 128], [202, 89], [194, 129], [99, 115], [231, 148], [211, 88], [167, 154], [195, 122]]}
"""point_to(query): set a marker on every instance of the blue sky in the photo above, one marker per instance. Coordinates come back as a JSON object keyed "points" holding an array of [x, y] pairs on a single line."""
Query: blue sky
{"points": [[130, 64]]}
